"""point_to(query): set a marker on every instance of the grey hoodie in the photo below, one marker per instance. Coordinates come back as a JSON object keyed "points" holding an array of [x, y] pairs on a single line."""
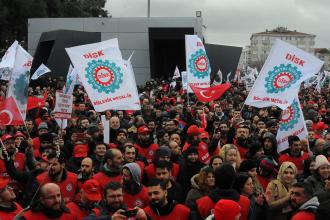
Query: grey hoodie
{"points": [[135, 172], [310, 205]]}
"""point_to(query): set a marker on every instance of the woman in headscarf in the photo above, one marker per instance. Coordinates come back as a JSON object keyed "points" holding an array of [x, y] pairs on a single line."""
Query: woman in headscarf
{"points": [[278, 192]]}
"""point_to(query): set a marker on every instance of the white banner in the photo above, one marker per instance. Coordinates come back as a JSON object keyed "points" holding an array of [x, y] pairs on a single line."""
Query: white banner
{"points": [[71, 80], [19, 80], [292, 123], [42, 69], [7, 62], [102, 71], [106, 129], [184, 80], [198, 65], [279, 80], [63, 105]]}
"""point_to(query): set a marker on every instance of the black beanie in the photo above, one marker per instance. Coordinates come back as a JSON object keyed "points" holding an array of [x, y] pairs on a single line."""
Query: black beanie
{"points": [[247, 165], [225, 176]]}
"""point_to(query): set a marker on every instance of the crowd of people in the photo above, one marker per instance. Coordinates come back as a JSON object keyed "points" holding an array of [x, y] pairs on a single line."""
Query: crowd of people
{"points": [[175, 159]]}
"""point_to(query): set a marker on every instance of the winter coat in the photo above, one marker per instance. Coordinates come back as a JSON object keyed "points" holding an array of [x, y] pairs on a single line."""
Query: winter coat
{"points": [[195, 192], [316, 182], [279, 202]]}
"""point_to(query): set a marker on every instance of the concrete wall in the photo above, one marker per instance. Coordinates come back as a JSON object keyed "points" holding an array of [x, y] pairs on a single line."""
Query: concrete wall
{"points": [[132, 34]]}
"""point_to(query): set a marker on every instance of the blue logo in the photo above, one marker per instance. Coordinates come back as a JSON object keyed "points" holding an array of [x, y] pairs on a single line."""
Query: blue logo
{"points": [[104, 76], [290, 117], [281, 78], [199, 64]]}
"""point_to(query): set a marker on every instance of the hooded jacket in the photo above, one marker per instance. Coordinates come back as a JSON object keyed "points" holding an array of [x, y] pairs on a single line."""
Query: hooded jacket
{"points": [[307, 210], [279, 202], [195, 192], [135, 194]]}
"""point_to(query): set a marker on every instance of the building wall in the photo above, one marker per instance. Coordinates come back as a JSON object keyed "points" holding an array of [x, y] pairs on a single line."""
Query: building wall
{"points": [[132, 34], [262, 43]]}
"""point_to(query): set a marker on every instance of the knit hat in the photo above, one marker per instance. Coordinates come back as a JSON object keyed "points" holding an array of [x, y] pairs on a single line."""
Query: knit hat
{"points": [[43, 125], [224, 176], [226, 210], [321, 160], [163, 151], [247, 165], [267, 164]]}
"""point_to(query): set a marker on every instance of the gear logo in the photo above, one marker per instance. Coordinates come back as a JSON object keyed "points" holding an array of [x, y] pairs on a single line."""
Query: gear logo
{"points": [[199, 64], [289, 117], [104, 76], [21, 88], [281, 78]]}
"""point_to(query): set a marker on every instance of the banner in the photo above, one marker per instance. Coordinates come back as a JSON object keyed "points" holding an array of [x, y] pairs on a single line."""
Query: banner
{"points": [[7, 62], [19, 80], [176, 74], [63, 105], [42, 69], [279, 80], [71, 80], [184, 80], [198, 65], [106, 131], [109, 83], [292, 123]]}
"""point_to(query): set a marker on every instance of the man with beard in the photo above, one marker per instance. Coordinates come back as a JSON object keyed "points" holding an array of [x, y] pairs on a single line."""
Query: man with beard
{"points": [[49, 206], [303, 201], [86, 171], [294, 154], [160, 207], [8, 208], [10, 152], [57, 173], [241, 139], [145, 144], [90, 194], [163, 170], [113, 206], [135, 194], [111, 171]]}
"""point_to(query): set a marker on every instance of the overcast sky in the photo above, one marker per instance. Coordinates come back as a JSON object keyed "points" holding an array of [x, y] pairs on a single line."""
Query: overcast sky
{"points": [[231, 22]]}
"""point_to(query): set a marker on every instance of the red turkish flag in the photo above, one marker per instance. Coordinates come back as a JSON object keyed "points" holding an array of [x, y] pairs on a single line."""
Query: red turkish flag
{"points": [[9, 113], [210, 93], [35, 102]]}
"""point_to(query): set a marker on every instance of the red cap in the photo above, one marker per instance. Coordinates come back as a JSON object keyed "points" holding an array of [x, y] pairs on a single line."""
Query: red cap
{"points": [[92, 189], [19, 134], [226, 209], [143, 129], [80, 150], [320, 126], [193, 130], [6, 137], [204, 135], [3, 183]]}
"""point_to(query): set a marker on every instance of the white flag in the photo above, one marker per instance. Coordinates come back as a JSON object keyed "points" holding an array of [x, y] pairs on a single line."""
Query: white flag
{"points": [[71, 80], [228, 76], [198, 65], [107, 81], [42, 69], [176, 74], [184, 80], [7, 62], [292, 123], [19, 80], [320, 80], [218, 78], [106, 129], [279, 80]]}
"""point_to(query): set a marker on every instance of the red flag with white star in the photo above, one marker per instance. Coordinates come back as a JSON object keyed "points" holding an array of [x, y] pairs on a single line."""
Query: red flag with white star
{"points": [[36, 102], [9, 113], [210, 93]]}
